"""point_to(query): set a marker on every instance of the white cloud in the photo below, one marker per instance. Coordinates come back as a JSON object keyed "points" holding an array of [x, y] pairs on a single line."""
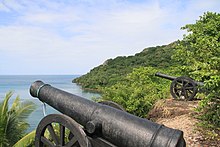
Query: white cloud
{"points": [[74, 36]]}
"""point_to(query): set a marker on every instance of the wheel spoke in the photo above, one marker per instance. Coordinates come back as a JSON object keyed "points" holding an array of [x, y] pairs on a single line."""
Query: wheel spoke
{"points": [[62, 135], [58, 138], [186, 83], [71, 142], [177, 91], [189, 94], [182, 92], [52, 133], [183, 88], [175, 88], [185, 94], [46, 141], [190, 91], [178, 84], [187, 88]]}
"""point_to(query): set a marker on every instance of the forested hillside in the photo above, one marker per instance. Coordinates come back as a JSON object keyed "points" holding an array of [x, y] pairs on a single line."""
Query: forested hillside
{"points": [[130, 81], [115, 70]]}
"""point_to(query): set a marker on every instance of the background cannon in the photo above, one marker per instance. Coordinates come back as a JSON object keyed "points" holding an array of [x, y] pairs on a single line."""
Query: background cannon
{"points": [[182, 87], [89, 124]]}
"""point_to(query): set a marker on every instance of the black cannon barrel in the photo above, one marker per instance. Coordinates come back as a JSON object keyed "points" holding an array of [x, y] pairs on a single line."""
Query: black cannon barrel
{"points": [[120, 128], [172, 78], [165, 76]]}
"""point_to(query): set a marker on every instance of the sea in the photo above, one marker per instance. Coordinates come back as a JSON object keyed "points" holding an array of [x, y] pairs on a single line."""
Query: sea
{"points": [[20, 85]]}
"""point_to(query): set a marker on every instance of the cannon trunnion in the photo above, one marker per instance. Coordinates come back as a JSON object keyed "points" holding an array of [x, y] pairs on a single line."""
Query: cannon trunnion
{"points": [[182, 87], [86, 123]]}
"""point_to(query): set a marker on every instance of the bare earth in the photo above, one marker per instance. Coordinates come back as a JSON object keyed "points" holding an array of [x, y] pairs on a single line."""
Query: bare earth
{"points": [[179, 115]]}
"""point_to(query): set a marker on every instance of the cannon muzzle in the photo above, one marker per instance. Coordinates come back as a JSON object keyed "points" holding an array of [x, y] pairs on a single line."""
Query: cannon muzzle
{"points": [[117, 127]]}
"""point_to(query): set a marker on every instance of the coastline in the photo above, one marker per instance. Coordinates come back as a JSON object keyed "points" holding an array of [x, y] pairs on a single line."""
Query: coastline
{"points": [[20, 85]]}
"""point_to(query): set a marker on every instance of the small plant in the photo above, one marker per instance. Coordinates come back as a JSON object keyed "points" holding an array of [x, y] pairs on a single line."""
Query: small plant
{"points": [[13, 121]]}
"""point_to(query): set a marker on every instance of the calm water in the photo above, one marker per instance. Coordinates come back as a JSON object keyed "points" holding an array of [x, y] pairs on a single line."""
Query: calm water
{"points": [[20, 86]]}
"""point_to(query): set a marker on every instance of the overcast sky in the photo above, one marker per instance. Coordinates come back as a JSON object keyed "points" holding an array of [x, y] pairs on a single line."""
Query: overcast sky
{"points": [[74, 36]]}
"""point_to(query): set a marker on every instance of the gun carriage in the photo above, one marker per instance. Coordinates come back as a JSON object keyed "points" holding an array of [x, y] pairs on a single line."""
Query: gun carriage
{"points": [[182, 87], [84, 123]]}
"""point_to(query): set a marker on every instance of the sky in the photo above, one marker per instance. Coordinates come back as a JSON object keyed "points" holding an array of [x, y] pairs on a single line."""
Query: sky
{"points": [[46, 37]]}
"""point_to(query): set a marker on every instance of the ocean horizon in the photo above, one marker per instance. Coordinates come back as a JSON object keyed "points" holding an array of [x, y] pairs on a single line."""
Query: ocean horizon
{"points": [[20, 84]]}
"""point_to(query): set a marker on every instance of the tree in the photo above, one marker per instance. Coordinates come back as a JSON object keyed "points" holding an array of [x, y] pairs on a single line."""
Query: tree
{"points": [[13, 121], [138, 92], [199, 53]]}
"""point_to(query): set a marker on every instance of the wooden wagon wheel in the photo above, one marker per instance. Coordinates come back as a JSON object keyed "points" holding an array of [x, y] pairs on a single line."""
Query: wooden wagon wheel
{"points": [[57, 138], [183, 88]]}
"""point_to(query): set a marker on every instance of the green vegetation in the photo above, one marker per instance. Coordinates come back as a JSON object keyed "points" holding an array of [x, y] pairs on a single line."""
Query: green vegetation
{"points": [[139, 91], [13, 124], [199, 53], [130, 81], [116, 70]]}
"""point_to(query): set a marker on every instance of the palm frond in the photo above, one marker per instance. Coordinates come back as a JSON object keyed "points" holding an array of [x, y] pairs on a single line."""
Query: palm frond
{"points": [[25, 109], [13, 123], [4, 104], [17, 123], [4, 141], [26, 140], [15, 103], [14, 129]]}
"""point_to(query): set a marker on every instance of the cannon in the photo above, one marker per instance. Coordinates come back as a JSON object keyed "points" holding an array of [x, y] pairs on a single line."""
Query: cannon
{"points": [[84, 123], [182, 87]]}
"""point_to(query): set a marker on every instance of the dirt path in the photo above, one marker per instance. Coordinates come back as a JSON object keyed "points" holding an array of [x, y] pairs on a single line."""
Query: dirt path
{"points": [[179, 115], [186, 124]]}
